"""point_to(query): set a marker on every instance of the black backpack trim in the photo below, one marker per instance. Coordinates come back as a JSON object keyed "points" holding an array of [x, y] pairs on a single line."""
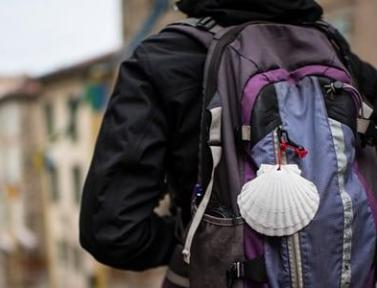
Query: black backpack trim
{"points": [[252, 270]]}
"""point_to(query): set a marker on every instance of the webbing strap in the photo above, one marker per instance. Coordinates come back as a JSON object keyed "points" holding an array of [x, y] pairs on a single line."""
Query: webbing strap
{"points": [[205, 24], [193, 22], [246, 133], [338, 43], [366, 126], [216, 152], [252, 270], [363, 122], [210, 25]]}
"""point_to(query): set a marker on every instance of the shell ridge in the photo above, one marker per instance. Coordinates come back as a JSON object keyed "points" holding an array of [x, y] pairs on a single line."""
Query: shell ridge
{"points": [[278, 202]]}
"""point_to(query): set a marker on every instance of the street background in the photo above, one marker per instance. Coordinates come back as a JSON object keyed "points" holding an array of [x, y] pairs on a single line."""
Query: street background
{"points": [[58, 63]]}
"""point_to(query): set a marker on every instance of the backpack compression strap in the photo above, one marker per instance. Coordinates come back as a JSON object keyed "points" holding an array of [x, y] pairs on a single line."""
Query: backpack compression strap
{"points": [[205, 29], [205, 24], [216, 151]]}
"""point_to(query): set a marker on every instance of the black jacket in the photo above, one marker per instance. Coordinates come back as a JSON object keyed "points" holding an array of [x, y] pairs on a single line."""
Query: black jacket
{"points": [[148, 145]]}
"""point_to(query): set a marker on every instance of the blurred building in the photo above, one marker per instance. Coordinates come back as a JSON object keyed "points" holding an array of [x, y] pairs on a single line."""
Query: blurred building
{"points": [[144, 17], [357, 20], [49, 127], [70, 103], [22, 257]]}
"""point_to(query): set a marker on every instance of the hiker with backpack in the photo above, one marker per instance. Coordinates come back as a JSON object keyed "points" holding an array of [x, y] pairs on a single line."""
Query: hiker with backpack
{"points": [[258, 120]]}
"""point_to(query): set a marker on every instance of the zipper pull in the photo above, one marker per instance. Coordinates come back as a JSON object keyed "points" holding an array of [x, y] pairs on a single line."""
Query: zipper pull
{"points": [[336, 87], [333, 88]]}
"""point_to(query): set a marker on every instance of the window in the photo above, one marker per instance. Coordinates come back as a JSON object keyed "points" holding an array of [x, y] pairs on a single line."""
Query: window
{"points": [[73, 107], [49, 120], [63, 251], [96, 95], [77, 182], [54, 182], [77, 259]]}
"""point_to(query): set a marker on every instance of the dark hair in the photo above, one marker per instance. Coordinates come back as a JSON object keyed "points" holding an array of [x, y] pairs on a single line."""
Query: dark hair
{"points": [[239, 11]]}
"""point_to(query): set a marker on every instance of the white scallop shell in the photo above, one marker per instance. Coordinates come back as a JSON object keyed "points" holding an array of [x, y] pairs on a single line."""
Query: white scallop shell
{"points": [[278, 202]]}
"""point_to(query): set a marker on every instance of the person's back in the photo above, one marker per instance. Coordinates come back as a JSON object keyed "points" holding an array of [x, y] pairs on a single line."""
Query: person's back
{"points": [[151, 130]]}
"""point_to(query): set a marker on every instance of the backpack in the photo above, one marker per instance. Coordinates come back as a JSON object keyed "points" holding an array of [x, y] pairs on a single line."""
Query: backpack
{"points": [[280, 98]]}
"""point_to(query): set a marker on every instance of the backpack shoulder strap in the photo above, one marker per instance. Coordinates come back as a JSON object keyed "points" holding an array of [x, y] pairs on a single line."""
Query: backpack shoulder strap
{"points": [[366, 127], [203, 30], [340, 45]]}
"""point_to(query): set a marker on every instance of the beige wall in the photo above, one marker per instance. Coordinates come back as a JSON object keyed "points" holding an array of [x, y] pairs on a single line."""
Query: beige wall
{"points": [[19, 211], [363, 19], [365, 34], [135, 13], [62, 214]]}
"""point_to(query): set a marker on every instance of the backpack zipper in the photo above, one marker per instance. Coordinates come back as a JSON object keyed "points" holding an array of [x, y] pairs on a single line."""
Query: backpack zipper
{"points": [[293, 243], [282, 141]]}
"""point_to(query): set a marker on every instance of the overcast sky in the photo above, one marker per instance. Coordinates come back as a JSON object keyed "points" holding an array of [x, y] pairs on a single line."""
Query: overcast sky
{"points": [[39, 36]]}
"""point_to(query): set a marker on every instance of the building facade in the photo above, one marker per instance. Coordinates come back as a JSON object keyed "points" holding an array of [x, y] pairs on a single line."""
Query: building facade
{"points": [[357, 20], [22, 257], [71, 104]]}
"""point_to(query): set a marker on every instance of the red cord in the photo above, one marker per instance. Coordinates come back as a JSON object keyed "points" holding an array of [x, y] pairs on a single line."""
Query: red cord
{"points": [[283, 147], [301, 152]]}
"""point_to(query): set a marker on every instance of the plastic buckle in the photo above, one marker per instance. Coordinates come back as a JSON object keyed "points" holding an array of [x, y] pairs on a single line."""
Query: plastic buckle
{"points": [[233, 273], [206, 23]]}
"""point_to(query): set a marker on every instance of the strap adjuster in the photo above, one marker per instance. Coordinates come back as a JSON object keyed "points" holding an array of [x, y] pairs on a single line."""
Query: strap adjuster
{"points": [[252, 270], [235, 272], [206, 23]]}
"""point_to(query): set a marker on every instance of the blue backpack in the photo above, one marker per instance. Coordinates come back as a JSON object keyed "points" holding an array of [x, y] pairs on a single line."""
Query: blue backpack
{"points": [[286, 185]]}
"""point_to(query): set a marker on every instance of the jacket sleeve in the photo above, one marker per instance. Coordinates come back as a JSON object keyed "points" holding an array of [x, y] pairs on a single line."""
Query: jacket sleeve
{"points": [[125, 180]]}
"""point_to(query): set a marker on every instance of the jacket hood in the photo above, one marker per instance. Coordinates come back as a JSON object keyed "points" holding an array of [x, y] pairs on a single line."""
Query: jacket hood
{"points": [[233, 12]]}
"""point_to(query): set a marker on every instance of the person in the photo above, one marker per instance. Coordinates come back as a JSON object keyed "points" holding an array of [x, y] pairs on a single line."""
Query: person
{"points": [[148, 143]]}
